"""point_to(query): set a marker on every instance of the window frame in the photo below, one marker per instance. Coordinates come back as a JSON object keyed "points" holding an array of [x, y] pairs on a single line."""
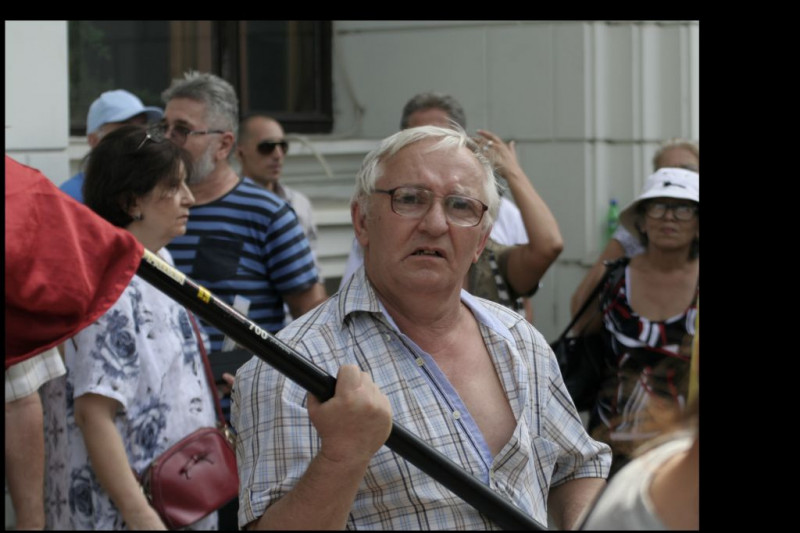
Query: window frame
{"points": [[216, 46]]}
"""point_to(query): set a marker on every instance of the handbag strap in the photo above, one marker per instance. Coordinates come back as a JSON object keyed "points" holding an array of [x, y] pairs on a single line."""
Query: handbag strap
{"points": [[611, 266], [207, 366]]}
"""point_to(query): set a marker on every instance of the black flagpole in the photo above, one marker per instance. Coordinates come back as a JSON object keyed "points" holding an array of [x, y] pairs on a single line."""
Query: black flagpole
{"points": [[294, 366]]}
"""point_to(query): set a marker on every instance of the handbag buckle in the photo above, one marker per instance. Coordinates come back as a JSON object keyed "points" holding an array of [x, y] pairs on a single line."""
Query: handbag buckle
{"points": [[230, 436]]}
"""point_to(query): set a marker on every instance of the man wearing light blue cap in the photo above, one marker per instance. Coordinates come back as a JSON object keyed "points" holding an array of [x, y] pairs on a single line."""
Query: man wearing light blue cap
{"points": [[110, 111]]}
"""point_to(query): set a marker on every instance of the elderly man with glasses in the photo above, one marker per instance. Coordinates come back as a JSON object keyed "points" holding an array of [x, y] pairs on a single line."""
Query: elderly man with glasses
{"points": [[468, 376]]}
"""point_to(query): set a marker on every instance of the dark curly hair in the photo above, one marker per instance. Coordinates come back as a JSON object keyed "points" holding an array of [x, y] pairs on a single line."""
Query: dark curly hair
{"points": [[126, 165]]}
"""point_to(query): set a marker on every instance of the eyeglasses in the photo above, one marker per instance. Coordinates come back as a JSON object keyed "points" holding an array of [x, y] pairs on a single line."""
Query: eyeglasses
{"points": [[415, 202], [267, 147], [154, 134], [178, 134], [681, 211]]}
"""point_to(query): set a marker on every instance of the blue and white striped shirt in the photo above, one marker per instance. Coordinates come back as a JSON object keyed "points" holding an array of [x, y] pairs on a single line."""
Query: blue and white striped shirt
{"points": [[247, 243], [276, 441]]}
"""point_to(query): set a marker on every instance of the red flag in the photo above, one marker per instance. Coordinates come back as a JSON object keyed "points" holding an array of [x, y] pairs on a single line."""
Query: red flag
{"points": [[65, 265]]}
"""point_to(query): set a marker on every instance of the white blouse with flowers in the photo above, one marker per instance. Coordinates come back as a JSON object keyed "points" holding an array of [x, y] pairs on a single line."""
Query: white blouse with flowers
{"points": [[143, 353]]}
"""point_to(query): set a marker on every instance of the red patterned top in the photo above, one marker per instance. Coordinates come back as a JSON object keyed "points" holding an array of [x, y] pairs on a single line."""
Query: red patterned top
{"points": [[651, 366]]}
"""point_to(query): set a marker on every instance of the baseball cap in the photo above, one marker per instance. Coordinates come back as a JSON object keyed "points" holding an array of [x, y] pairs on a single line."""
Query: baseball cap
{"points": [[664, 183], [117, 106]]}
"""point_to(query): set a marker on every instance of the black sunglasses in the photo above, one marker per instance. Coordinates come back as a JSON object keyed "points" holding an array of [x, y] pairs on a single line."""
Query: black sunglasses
{"points": [[267, 147]]}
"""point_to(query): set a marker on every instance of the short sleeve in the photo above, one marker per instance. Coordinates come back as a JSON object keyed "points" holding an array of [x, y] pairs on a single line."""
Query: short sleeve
{"points": [[103, 357]]}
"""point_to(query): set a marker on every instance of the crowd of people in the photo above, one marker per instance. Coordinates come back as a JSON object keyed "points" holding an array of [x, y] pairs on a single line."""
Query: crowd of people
{"points": [[432, 327]]}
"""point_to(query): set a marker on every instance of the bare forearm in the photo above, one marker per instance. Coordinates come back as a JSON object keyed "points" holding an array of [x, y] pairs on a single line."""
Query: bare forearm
{"points": [[110, 464], [568, 501], [25, 460], [528, 263], [540, 223], [544, 237], [322, 499]]}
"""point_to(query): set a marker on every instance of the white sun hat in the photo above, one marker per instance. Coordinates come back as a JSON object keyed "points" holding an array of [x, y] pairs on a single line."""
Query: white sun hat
{"points": [[664, 183]]}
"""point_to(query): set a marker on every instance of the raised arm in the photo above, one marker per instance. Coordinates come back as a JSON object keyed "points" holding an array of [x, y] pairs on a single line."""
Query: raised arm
{"points": [[527, 263], [352, 426]]}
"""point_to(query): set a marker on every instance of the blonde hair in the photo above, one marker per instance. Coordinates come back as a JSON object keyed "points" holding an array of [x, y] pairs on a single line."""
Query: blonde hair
{"points": [[677, 142]]}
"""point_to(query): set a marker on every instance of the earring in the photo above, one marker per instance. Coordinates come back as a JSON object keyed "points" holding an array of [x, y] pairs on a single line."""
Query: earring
{"points": [[138, 216]]}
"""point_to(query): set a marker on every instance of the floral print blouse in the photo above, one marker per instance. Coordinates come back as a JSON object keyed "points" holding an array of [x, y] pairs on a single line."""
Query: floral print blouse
{"points": [[143, 353]]}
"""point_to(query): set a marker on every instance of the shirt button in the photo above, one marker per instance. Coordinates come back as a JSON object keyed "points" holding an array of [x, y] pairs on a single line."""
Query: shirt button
{"points": [[456, 415], [420, 361]]}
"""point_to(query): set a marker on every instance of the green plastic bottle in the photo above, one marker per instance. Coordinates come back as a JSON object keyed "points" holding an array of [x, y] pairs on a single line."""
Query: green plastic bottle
{"points": [[612, 219]]}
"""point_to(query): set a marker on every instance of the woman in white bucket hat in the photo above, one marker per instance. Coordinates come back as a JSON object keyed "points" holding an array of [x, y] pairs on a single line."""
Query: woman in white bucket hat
{"points": [[675, 152], [649, 313]]}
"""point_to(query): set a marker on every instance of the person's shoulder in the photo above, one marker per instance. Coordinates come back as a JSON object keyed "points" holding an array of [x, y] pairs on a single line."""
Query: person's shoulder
{"points": [[496, 247], [325, 316], [508, 207], [74, 186], [291, 191], [248, 200], [495, 314], [248, 190], [509, 227], [77, 179], [164, 254], [295, 197]]}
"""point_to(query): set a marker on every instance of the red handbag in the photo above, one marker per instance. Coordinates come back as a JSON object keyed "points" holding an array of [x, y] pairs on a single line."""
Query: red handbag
{"points": [[197, 475]]}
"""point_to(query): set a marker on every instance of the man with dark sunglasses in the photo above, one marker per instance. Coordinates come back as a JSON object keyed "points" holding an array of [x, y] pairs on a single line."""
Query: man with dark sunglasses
{"points": [[262, 148]]}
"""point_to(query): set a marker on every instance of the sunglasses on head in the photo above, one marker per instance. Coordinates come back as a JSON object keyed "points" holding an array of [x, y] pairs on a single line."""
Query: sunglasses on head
{"points": [[267, 147]]}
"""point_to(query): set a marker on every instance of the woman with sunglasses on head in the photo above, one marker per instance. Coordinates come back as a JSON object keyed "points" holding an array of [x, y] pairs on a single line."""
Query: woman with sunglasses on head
{"points": [[135, 382], [648, 313]]}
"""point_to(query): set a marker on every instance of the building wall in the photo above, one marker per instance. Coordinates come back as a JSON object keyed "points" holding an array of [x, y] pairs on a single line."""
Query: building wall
{"points": [[36, 91]]}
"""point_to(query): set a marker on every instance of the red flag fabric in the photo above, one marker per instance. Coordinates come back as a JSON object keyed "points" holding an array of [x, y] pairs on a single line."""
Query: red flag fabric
{"points": [[65, 265]]}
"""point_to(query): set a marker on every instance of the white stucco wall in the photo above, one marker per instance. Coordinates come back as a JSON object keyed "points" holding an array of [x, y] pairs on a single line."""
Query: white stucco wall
{"points": [[36, 95]]}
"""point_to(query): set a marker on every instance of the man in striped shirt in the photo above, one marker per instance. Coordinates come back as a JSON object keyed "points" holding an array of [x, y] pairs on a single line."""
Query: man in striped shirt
{"points": [[242, 242], [262, 147], [473, 379]]}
